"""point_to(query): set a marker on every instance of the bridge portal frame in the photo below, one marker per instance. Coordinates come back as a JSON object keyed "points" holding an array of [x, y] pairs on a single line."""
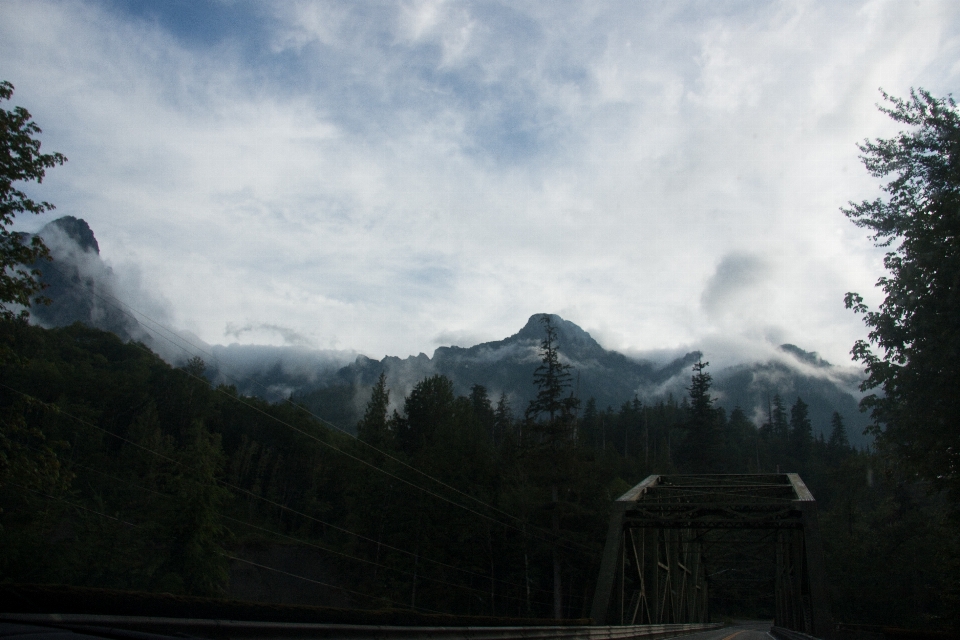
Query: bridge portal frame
{"points": [[654, 571]]}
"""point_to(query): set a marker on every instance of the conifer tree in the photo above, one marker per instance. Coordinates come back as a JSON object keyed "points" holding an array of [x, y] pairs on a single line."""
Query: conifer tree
{"points": [[198, 535], [742, 442], [590, 423], [429, 410], [552, 379], [838, 441], [551, 416], [700, 450], [776, 426], [373, 427], [503, 422], [483, 410], [779, 421], [801, 431]]}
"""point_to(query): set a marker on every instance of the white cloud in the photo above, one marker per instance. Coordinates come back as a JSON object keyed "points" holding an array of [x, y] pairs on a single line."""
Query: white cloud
{"points": [[375, 176]]}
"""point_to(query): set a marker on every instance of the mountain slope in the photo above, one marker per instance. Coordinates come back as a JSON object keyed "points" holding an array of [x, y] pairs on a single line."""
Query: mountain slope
{"points": [[83, 289], [506, 366], [79, 285]]}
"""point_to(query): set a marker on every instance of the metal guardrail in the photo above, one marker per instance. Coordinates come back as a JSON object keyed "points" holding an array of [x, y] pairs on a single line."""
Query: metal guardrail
{"points": [[131, 626], [780, 633], [847, 631]]}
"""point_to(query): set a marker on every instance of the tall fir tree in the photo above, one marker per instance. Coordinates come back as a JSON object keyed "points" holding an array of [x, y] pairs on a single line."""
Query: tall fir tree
{"points": [[483, 410], [551, 414], [551, 418], [374, 427], [503, 421], [590, 424], [700, 450], [428, 410], [801, 430], [775, 427], [838, 442]]}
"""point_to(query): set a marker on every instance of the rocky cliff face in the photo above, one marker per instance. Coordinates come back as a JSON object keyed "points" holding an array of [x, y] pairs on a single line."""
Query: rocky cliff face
{"points": [[80, 287]]}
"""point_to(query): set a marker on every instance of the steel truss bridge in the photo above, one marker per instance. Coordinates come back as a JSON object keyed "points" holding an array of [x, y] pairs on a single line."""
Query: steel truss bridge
{"points": [[674, 537], [674, 543]]}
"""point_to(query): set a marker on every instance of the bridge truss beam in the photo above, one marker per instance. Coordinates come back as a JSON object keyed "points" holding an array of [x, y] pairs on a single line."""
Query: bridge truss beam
{"points": [[671, 537]]}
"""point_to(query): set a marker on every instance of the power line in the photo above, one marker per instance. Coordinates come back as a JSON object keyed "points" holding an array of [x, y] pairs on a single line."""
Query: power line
{"points": [[324, 584], [383, 566], [300, 407], [229, 557], [550, 538], [76, 506], [275, 504], [327, 549]]}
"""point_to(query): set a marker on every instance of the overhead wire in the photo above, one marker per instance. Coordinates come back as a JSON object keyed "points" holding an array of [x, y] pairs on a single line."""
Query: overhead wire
{"points": [[76, 506], [334, 551], [325, 584], [383, 566], [550, 538], [281, 506], [159, 327], [229, 557]]}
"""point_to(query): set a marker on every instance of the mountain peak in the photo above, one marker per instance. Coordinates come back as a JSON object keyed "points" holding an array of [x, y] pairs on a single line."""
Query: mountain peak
{"points": [[810, 357], [572, 340], [77, 230]]}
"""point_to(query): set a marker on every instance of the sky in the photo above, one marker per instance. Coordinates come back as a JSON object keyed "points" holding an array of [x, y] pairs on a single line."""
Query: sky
{"points": [[390, 177]]}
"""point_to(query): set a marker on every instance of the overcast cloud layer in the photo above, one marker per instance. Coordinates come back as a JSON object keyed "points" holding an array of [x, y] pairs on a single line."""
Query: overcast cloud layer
{"points": [[389, 177]]}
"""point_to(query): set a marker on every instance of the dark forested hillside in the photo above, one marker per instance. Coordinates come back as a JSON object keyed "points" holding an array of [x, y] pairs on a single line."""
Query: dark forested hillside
{"points": [[479, 483], [118, 470]]}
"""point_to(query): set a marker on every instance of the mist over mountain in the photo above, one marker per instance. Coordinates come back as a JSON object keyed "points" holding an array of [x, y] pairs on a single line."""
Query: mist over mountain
{"points": [[825, 389], [336, 384], [506, 367], [271, 372], [79, 286]]}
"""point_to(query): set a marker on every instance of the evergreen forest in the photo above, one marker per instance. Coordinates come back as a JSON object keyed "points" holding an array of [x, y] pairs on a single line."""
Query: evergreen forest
{"points": [[120, 471]]}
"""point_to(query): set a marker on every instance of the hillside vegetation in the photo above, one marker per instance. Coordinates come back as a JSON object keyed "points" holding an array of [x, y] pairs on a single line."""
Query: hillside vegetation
{"points": [[118, 470]]}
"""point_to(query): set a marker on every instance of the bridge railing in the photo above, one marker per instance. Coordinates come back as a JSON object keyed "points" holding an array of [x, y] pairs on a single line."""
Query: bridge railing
{"points": [[136, 628]]}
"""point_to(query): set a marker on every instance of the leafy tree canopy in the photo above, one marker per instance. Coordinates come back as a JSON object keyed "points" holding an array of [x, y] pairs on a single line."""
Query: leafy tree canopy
{"points": [[916, 329], [20, 161]]}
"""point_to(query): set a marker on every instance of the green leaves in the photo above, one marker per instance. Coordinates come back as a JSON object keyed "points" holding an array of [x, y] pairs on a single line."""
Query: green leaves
{"points": [[917, 326], [20, 161]]}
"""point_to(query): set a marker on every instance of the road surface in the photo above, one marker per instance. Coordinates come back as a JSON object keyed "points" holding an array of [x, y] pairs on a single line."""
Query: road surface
{"points": [[745, 630]]}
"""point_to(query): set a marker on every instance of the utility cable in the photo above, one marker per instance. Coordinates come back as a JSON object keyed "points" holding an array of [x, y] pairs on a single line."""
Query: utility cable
{"points": [[382, 566], [76, 506], [229, 557], [323, 548], [117, 303], [324, 584], [229, 485]]}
